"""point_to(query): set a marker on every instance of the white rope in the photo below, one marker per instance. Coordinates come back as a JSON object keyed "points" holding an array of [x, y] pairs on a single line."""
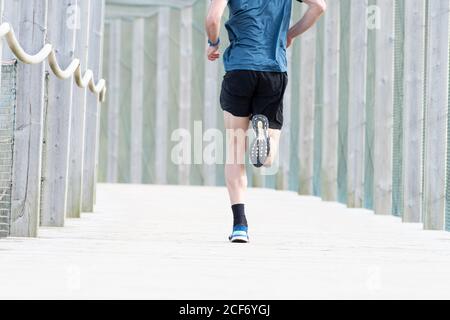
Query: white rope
{"points": [[47, 52]]}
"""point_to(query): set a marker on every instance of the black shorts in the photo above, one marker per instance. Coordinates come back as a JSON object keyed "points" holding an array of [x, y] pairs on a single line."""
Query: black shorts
{"points": [[246, 93]]}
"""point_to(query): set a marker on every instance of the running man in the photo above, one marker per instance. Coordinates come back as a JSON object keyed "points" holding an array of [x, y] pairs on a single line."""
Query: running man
{"points": [[254, 85]]}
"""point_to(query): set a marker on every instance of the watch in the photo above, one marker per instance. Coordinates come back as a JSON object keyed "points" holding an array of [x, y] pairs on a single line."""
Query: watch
{"points": [[212, 44]]}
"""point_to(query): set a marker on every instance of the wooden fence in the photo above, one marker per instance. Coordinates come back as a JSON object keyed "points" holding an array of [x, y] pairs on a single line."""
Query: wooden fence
{"points": [[366, 108], [54, 123]]}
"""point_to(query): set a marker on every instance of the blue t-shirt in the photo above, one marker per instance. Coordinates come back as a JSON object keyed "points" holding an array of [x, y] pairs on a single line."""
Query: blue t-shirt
{"points": [[258, 34]]}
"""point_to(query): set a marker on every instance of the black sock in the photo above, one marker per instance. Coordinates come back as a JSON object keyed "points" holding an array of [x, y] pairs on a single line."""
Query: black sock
{"points": [[239, 215]]}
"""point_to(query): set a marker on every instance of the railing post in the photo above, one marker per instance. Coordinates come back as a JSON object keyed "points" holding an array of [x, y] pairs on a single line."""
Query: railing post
{"points": [[210, 106], [436, 115], [185, 84], [331, 103], [26, 182], [162, 99], [77, 141], [383, 110], [307, 104], [61, 33], [357, 103], [282, 182], [115, 53], [93, 108], [413, 110], [137, 100]]}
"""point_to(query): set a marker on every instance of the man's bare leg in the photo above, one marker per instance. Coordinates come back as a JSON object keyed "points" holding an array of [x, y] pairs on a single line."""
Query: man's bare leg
{"points": [[235, 174]]}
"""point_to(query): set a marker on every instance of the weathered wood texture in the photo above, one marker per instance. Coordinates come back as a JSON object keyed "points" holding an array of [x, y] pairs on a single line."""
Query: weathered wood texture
{"points": [[93, 108], [185, 103], [137, 100], [331, 104], [162, 75], [61, 33], [436, 115], [357, 102], [10, 15], [26, 182], [383, 111], [76, 145], [307, 107], [413, 112], [114, 100]]}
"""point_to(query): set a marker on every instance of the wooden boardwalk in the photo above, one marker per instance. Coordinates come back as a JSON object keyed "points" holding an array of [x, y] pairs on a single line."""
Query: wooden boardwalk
{"points": [[170, 242]]}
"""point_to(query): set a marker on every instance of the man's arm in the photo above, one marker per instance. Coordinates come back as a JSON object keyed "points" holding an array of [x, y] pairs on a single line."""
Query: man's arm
{"points": [[212, 25], [315, 10]]}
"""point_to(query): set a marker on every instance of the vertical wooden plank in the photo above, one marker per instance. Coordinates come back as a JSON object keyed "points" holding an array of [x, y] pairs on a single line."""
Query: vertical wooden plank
{"points": [[220, 170], [185, 84], [373, 13], [331, 103], [413, 110], [26, 182], [319, 107], [383, 113], [258, 179], [61, 33], [114, 100], [447, 196], [103, 142], [8, 103], [150, 94], [198, 87], [11, 15], [125, 102], [162, 75], [174, 91], [294, 79], [307, 98], [357, 102], [436, 113], [93, 108], [425, 96], [282, 182], [76, 152], [397, 157], [344, 90], [137, 97], [210, 114]]}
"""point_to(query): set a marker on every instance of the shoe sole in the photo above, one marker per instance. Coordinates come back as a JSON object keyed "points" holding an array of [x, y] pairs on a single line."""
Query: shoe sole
{"points": [[239, 239], [261, 145]]}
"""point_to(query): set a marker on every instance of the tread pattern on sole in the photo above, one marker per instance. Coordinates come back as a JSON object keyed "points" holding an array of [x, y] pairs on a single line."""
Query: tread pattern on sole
{"points": [[260, 148]]}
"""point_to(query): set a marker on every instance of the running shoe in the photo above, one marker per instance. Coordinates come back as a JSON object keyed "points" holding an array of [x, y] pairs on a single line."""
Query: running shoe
{"points": [[260, 150], [239, 235]]}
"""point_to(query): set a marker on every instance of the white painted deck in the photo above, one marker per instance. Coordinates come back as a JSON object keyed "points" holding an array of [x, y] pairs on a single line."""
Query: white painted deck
{"points": [[170, 242]]}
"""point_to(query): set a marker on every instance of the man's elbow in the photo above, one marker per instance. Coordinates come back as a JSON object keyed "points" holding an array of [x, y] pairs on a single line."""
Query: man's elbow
{"points": [[320, 6]]}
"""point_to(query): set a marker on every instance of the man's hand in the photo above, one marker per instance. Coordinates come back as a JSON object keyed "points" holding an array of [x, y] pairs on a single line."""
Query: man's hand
{"points": [[213, 53], [290, 40]]}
